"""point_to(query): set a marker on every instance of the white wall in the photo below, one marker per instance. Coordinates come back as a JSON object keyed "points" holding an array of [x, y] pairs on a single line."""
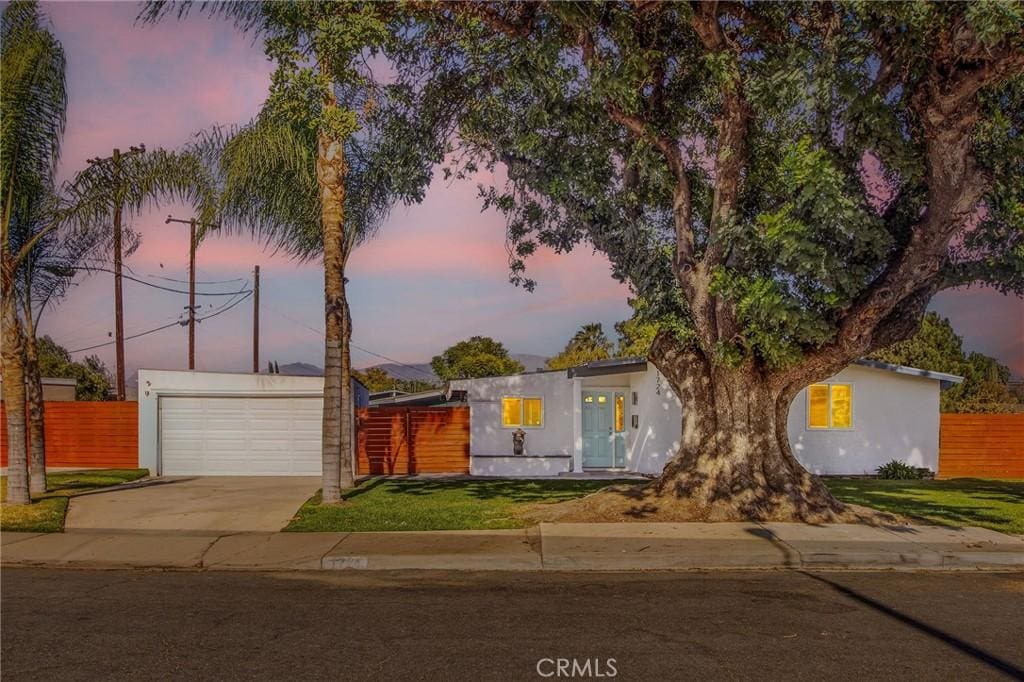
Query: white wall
{"points": [[156, 383], [895, 416], [488, 437], [660, 418], [529, 467]]}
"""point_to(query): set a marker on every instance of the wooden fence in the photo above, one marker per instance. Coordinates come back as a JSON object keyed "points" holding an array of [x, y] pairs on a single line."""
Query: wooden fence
{"points": [[981, 446], [397, 441], [86, 434]]}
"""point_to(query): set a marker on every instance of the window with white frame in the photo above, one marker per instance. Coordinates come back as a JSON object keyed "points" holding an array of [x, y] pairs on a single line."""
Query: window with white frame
{"points": [[830, 406], [522, 412]]}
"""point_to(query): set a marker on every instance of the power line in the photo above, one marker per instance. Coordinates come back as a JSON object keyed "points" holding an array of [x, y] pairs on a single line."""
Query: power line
{"points": [[359, 348], [224, 309], [178, 323], [185, 281], [157, 286], [133, 336], [107, 261]]}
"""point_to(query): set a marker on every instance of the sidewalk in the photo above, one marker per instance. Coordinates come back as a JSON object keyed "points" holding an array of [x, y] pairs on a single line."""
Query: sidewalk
{"points": [[566, 547]]}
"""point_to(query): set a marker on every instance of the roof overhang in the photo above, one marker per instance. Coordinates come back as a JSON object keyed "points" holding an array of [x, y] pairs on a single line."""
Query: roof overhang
{"points": [[604, 367], [910, 371]]}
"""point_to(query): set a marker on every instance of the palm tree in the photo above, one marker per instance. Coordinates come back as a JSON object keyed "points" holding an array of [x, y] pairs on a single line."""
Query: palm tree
{"points": [[305, 193], [45, 232], [41, 279], [306, 176], [586, 345], [33, 101]]}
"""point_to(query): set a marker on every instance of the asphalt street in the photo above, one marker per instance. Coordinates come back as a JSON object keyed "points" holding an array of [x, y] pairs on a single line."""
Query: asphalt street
{"points": [[92, 625]]}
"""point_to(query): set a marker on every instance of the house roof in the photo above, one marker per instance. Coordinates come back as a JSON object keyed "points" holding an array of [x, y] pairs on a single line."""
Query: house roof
{"points": [[55, 381], [910, 371], [612, 366], [433, 397], [637, 364]]}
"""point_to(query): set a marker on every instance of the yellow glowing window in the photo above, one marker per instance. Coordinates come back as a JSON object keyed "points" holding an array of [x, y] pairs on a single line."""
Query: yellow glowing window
{"points": [[817, 406], [830, 406], [533, 412], [620, 413], [602, 399], [517, 411], [511, 411], [842, 409]]}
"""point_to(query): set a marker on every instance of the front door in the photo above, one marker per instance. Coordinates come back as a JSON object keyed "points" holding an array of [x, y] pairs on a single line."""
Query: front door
{"points": [[604, 426]]}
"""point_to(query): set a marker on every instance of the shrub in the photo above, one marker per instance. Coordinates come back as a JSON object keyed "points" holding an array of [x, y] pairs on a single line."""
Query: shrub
{"points": [[898, 471]]}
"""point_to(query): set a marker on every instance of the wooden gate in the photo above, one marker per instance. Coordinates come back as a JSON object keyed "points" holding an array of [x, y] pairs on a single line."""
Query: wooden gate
{"points": [[397, 441], [86, 434], [981, 446]]}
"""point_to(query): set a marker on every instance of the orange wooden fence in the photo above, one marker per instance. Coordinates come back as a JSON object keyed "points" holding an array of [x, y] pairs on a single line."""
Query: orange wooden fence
{"points": [[413, 440], [981, 446], [86, 434]]}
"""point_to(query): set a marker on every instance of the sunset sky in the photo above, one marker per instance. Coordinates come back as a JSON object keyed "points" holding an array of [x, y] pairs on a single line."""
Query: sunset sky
{"points": [[437, 272]]}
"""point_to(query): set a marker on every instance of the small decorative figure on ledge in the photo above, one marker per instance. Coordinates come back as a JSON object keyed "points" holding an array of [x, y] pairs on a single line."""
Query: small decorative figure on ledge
{"points": [[518, 442]]}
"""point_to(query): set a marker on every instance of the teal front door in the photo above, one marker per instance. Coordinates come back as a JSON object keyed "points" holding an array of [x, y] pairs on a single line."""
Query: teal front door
{"points": [[604, 438]]}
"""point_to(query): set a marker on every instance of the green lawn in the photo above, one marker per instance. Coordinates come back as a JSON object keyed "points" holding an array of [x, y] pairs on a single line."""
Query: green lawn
{"points": [[381, 504], [46, 513], [988, 503]]}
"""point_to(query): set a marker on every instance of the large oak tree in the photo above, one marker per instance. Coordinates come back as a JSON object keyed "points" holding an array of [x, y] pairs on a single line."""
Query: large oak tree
{"points": [[786, 185]]}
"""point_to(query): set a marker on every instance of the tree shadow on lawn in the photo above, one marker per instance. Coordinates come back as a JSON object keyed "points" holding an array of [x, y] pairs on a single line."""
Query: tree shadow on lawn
{"points": [[519, 491], [959, 501]]}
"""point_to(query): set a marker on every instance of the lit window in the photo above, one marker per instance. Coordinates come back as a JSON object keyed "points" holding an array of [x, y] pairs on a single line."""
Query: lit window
{"points": [[842, 408], [830, 406], [517, 411], [533, 412], [817, 406], [511, 411], [620, 413]]}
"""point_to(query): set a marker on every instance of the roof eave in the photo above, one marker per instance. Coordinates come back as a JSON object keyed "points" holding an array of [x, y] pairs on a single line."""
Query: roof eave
{"points": [[910, 371]]}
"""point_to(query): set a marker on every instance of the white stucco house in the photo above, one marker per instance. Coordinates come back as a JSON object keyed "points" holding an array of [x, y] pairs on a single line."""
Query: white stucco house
{"points": [[622, 415]]}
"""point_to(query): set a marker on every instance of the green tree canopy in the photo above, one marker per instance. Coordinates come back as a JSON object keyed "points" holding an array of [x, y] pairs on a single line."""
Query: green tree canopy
{"points": [[786, 184], [477, 356], [91, 374], [937, 347], [586, 345], [377, 379]]}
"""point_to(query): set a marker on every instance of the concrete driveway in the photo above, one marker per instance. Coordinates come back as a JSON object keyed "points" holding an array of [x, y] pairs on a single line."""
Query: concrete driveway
{"points": [[203, 503]]}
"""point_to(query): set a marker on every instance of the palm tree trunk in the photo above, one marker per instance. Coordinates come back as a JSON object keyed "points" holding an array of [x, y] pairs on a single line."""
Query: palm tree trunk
{"points": [[34, 394], [347, 477], [13, 387], [330, 171]]}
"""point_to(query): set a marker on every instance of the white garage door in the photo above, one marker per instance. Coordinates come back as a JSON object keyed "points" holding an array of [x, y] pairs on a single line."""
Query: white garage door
{"points": [[240, 436]]}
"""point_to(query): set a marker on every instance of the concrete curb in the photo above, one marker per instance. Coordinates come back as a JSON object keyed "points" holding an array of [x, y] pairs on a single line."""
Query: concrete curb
{"points": [[548, 547]]}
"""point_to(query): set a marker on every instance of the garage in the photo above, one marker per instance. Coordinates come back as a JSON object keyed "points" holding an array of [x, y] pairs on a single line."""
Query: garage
{"points": [[240, 436], [232, 424]]}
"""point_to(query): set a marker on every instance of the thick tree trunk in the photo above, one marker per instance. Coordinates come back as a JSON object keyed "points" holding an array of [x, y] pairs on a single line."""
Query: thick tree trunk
{"points": [[331, 170], [34, 395], [14, 396], [734, 460]]}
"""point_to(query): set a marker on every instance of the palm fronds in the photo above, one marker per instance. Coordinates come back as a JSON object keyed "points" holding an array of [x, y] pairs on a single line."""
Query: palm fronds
{"points": [[33, 98]]}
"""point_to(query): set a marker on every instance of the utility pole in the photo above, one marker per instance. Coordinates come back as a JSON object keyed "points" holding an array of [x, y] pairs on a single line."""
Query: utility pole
{"points": [[115, 160], [256, 321], [191, 307], [118, 301]]}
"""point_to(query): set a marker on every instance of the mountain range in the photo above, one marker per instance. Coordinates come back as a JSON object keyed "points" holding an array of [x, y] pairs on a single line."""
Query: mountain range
{"points": [[420, 371]]}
